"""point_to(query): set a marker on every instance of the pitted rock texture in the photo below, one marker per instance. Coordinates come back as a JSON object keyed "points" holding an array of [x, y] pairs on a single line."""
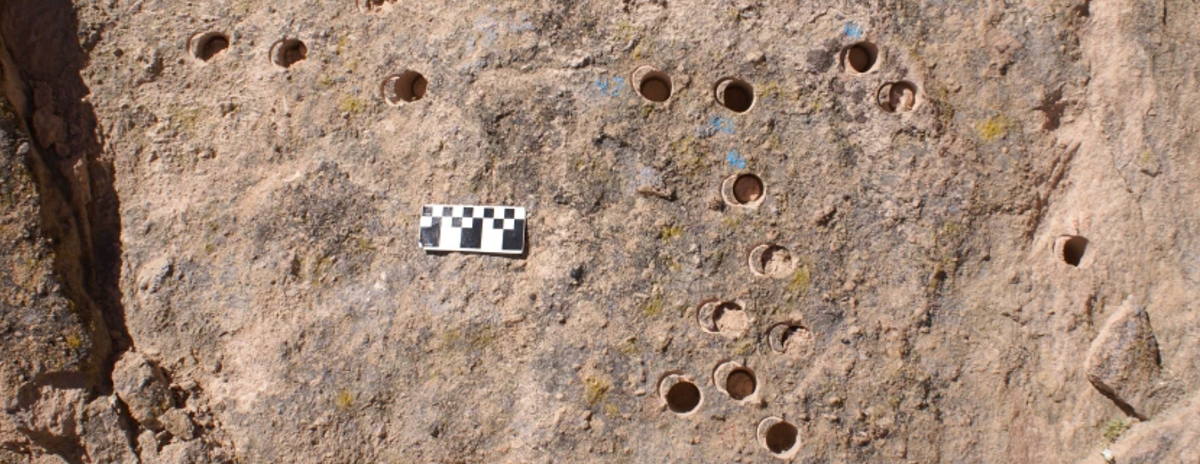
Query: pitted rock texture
{"points": [[242, 224]]}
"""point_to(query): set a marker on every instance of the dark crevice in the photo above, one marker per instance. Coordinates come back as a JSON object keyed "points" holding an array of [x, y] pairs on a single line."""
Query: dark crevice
{"points": [[131, 425], [1120, 403], [81, 209]]}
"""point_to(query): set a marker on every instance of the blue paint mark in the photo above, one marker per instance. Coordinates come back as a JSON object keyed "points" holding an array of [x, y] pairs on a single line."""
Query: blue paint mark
{"points": [[853, 30], [602, 84], [720, 124], [735, 160], [610, 87]]}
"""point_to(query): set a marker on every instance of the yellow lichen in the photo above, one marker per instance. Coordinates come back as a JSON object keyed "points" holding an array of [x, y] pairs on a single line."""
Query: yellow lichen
{"points": [[342, 43], [74, 341], [653, 307], [772, 90], [595, 389], [629, 347], [745, 348], [1114, 428], [482, 337], [451, 337], [345, 400], [800, 279], [993, 128], [670, 232], [352, 104]]}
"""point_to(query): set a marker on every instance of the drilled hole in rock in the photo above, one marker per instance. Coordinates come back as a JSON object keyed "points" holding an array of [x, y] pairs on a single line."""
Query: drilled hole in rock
{"points": [[740, 384], [209, 45], [735, 94], [289, 52], [373, 4], [785, 336], [781, 437], [408, 86], [743, 190], [898, 97], [768, 260], [683, 397], [1073, 250], [862, 57], [747, 188], [730, 318], [655, 86]]}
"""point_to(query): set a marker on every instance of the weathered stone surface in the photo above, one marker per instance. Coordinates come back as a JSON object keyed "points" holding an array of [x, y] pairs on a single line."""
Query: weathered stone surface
{"points": [[247, 221], [179, 424], [142, 386], [105, 434], [190, 452], [1123, 362], [1169, 438], [52, 417]]}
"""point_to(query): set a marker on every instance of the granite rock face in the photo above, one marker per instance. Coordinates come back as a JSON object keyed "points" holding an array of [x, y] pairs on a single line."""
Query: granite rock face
{"points": [[826, 231]]}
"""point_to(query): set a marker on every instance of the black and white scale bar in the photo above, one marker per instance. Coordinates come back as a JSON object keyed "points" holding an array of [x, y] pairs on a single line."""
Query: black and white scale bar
{"points": [[475, 229]]}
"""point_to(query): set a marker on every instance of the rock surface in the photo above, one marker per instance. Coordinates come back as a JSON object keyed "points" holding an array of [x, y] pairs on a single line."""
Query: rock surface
{"points": [[143, 389], [208, 235], [1123, 362]]}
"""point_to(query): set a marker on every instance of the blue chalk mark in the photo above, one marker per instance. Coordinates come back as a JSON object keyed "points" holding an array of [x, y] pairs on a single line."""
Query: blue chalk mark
{"points": [[720, 124], [610, 87], [735, 160], [853, 30]]}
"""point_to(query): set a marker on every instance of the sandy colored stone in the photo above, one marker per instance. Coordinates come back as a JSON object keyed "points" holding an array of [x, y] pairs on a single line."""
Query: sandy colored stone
{"points": [[104, 433], [1169, 438], [251, 227], [1123, 361], [141, 386], [179, 424]]}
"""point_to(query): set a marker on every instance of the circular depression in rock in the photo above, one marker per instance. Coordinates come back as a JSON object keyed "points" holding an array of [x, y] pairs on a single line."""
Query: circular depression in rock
{"points": [[741, 383], [779, 437], [288, 52], [653, 84], [770, 260], [730, 318], [735, 94], [785, 335], [1073, 249], [727, 318], [369, 5], [406, 87], [743, 190], [736, 380], [208, 45], [683, 397], [747, 188], [898, 97], [861, 57]]}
